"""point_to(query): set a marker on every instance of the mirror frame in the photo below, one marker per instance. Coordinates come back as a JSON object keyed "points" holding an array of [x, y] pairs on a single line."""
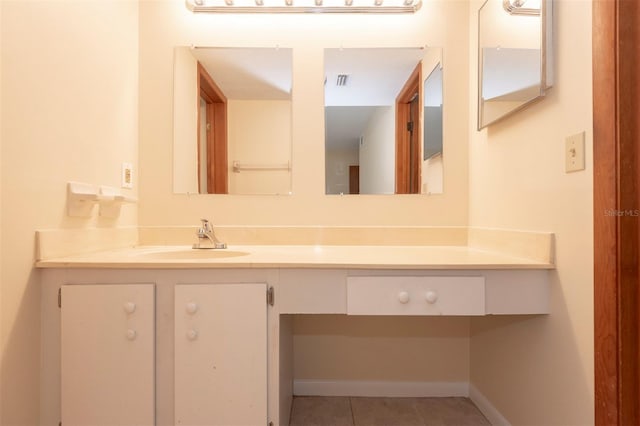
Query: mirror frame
{"points": [[546, 58]]}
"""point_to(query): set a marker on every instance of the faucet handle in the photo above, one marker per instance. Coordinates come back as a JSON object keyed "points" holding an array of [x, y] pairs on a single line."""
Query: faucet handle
{"points": [[205, 224]]}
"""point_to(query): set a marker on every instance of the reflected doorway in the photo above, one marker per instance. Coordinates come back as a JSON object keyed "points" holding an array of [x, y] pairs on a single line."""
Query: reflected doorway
{"points": [[212, 136], [408, 131], [354, 179]]}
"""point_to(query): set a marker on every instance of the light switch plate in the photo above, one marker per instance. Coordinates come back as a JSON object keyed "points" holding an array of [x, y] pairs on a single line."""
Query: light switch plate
{"points": [[574, 153], [127, 175]]}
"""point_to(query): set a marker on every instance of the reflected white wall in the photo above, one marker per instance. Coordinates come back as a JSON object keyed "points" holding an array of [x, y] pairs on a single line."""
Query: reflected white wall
{"points": [[377, 153]]}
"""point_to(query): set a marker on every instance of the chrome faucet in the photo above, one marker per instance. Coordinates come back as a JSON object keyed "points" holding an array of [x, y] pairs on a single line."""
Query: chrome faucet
{"points": [[207, 238]]}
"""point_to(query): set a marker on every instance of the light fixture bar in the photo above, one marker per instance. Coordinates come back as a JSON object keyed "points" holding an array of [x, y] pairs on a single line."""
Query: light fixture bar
{"points": [[351, 6]]}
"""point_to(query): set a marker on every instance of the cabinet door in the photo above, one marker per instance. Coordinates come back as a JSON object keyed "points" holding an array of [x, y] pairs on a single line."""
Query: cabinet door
{"points": [[221, 354], [107, 355]]}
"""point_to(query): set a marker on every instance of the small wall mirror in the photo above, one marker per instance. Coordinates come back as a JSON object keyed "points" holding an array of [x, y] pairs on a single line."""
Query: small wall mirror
{"points": [[515, 58], [374, 100], [232, 120]]}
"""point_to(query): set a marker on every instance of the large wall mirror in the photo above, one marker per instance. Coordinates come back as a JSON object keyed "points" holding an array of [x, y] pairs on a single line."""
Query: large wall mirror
{"points": [[515, 58], [378, 138], [232, 120]]}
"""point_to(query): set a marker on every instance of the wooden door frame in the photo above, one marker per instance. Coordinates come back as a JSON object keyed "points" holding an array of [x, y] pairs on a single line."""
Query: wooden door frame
{"points": [[616, 135], [403, 155], [217, 162]]}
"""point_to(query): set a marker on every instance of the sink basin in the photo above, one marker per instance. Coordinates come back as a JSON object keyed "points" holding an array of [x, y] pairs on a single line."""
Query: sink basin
{"points": [[187, 254]]}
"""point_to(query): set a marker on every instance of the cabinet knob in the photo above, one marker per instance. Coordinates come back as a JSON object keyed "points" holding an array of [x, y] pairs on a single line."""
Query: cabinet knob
{"points": [[131, 334], [431, 296], [403, 297], [192, 335], [129, 307], [192, 308]]}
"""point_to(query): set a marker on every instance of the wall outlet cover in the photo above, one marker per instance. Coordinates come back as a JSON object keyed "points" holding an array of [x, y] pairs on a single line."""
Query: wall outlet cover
{"points": [[127, 175], [574, 153]]}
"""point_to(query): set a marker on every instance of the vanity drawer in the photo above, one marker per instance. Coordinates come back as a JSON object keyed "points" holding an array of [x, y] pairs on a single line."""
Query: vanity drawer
{"points": [[415, 296]]}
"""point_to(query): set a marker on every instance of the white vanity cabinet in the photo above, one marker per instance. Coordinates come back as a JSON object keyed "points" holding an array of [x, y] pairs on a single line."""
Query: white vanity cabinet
{"points": [[107, 354], [185, 347], [215, 348], [220, 354]]}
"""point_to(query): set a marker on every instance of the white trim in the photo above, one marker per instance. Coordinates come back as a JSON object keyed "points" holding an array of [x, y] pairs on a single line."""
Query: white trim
{"points": [[378, 388], [486, 407]]}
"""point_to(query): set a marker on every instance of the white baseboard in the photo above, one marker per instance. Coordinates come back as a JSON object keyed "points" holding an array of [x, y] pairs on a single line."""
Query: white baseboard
{"points": [[487, 408], [378, 388]]}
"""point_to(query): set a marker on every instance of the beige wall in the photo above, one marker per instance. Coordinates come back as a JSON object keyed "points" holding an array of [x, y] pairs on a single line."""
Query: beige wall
{"points": [[337, 162], [259, 134], [377, 155], [69, 112], [539, 370], [432, 175], [394, 349], [165, 24], [185, 122]]}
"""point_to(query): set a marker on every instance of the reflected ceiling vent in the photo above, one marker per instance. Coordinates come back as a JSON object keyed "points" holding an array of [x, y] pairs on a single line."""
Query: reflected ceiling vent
{"points": [[342, 79]]}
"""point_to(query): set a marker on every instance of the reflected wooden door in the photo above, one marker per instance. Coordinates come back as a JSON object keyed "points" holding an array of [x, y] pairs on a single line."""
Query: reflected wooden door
{"points": [[212, 125], [408, 131], [354, 179]]}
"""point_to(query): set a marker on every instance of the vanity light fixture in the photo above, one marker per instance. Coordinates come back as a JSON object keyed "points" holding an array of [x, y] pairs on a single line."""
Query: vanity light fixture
{"points": [[522, 7], [307, 6]]}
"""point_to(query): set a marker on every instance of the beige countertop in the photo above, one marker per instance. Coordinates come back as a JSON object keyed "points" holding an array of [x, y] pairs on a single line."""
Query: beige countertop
{"points": [[297, 256]]}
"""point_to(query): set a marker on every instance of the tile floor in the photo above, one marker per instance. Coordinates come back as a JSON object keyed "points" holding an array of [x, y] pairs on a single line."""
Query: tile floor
{"points": [[358, 411]]}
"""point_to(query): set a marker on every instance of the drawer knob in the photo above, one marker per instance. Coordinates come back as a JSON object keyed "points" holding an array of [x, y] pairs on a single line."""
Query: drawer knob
{"points": [[431, 296], [192, 308], [129, 307], [192, 335], [403, 297], [131, 334]]}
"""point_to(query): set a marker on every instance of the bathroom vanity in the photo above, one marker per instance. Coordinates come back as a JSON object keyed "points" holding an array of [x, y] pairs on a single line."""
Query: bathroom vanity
{"points": [[170, 335]]}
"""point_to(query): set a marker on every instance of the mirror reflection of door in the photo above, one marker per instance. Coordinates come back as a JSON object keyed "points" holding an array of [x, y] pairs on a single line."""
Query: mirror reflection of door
{"points": [[232, 120], [370, 96], [354, 179], [212, 136], [408, 131]]}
